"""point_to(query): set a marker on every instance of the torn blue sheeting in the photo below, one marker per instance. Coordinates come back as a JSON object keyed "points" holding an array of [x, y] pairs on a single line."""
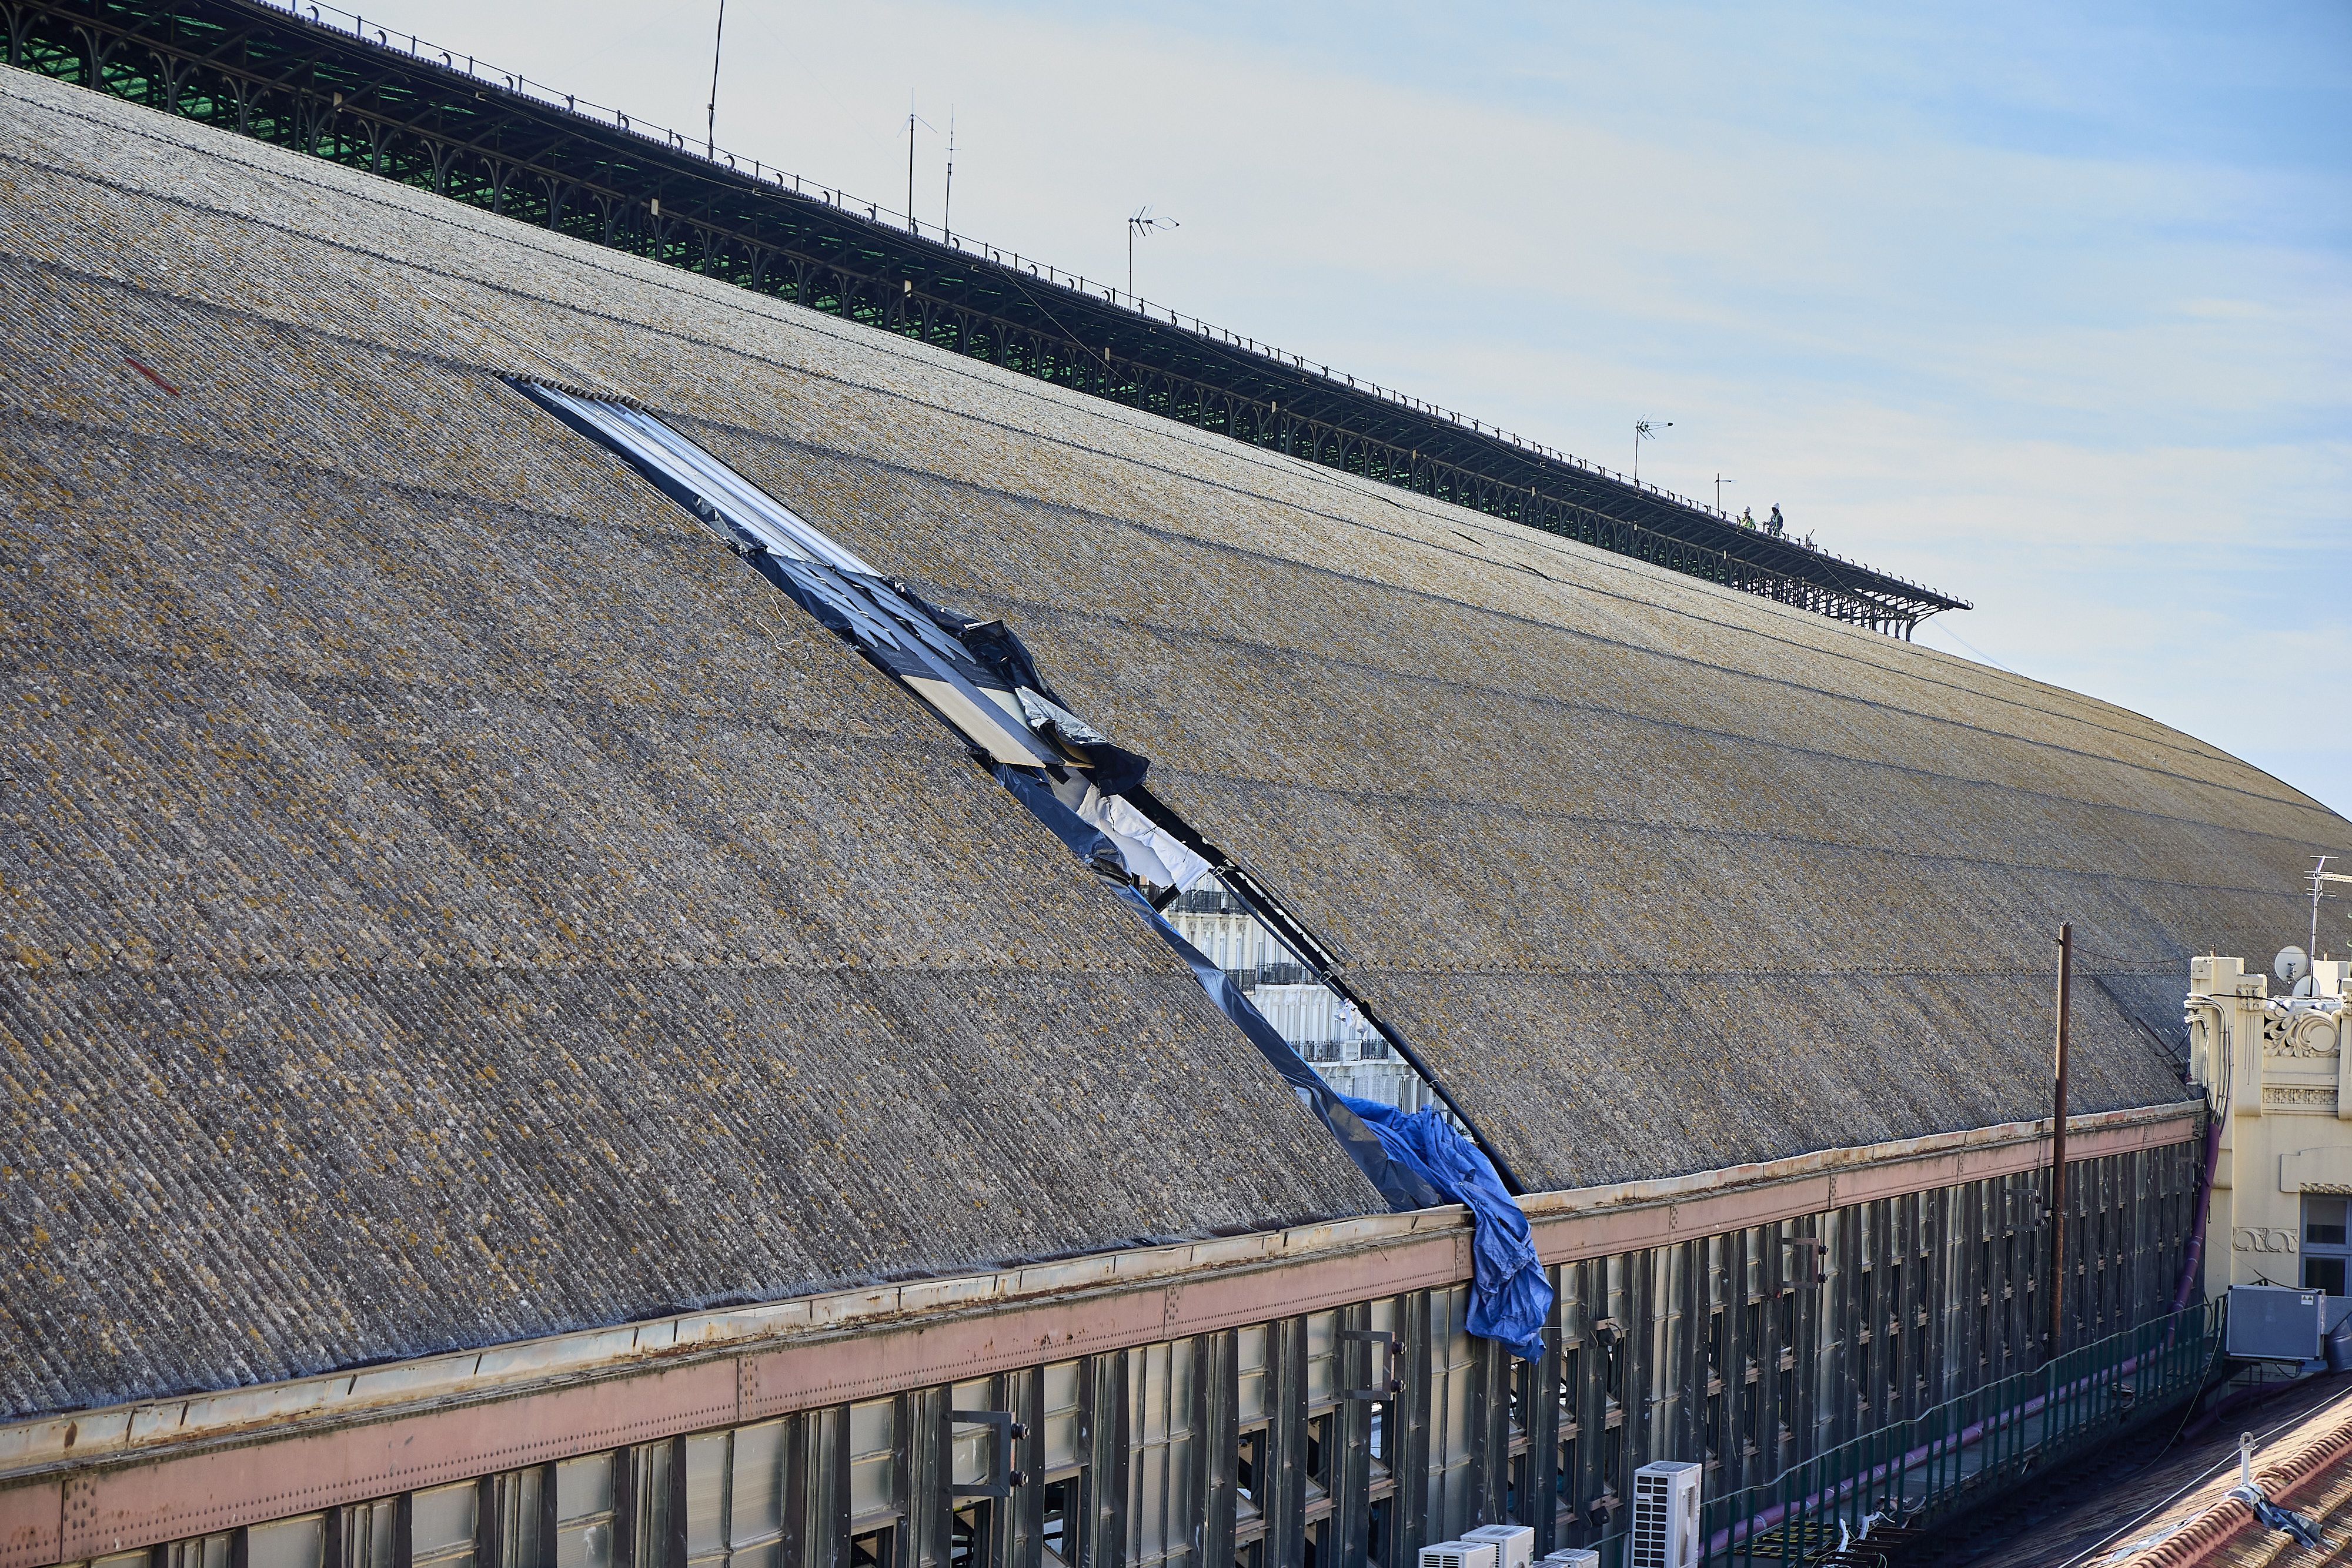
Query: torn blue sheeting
{"points": [[1510, 1295], [1080, 837], [1404, 1187]]}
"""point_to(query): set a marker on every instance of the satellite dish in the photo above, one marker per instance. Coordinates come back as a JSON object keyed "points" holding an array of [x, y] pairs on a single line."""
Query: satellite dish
{"points": [[2291, 965]]}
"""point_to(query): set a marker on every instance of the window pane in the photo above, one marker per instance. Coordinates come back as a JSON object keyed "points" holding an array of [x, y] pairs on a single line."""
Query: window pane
{"points": [[441, 1523], [1060, 1383], [517, 1537], [650, 1528], [583, 1488], [289, 1543], [755, 1510], [2323, 1220], [706, 1495], [584, 1507], [1322, 1358], [368, 1533], [970, 1446], [873, 1459], [1249, 1358], [200, 1551]]}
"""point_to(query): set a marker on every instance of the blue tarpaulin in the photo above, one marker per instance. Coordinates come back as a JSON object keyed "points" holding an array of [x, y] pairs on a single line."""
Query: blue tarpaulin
{"points": [[1510, 1296], [1416, 1160]]}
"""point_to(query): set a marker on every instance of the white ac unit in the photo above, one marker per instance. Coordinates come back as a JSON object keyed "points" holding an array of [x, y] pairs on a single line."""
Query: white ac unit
{"points": [[1666, 1516], [1515, 1544], [1459, 1555], [1573, 1557]]}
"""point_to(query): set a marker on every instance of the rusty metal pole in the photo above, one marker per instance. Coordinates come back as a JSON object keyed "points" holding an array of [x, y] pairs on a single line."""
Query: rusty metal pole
{"points": [[2058, 1146]]}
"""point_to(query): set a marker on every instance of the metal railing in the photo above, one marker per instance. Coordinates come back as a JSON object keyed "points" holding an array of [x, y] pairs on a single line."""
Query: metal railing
{"points": [[1966, 1449], [1342, 1051], [382, 41], [880, 214]]}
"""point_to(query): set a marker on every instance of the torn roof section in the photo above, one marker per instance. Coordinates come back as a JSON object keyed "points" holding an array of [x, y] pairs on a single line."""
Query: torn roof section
{"points": [[452, 901]]}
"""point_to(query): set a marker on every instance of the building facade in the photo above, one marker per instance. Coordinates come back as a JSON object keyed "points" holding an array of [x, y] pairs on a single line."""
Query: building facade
{"points": [[527, 1050], [2278, 1073], [1306, 1397]]}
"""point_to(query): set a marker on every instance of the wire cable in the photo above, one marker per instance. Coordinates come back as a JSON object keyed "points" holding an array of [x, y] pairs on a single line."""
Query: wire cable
{"points": [[2204, 1480]]}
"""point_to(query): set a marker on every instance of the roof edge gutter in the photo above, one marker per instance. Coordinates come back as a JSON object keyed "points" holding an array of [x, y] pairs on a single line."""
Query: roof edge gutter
{"points": [[1343, 1259]]}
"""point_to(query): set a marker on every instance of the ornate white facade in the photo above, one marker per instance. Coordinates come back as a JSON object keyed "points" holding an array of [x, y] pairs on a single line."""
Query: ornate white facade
{"points": [[2278, 1071]]}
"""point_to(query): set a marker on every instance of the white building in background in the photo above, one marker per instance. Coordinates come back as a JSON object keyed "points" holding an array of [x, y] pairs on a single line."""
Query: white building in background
{"points": [[2278, 1071], [1324, 1027]]}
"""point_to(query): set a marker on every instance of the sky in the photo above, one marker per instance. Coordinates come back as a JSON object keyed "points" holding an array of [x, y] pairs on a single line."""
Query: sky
{"points": [[2048, 308]]}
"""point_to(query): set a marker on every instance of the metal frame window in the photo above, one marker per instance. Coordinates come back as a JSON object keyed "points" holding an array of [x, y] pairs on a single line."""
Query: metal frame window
{"points": [[2326, 1242]]}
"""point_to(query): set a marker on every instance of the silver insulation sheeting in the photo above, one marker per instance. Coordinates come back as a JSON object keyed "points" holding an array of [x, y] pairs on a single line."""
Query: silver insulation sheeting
{"points": [[899, 631]]}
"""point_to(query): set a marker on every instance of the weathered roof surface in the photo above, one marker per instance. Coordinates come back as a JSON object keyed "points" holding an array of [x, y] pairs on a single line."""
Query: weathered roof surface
{"points": [[1659, 877], [445, 897]]}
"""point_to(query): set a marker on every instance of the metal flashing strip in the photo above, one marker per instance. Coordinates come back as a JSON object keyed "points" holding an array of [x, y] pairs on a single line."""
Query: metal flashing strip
{"points": [[236, 1456]]}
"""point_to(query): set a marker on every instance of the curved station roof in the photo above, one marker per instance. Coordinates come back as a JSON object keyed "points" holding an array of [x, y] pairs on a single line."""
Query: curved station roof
{"points": [[449, 899]]}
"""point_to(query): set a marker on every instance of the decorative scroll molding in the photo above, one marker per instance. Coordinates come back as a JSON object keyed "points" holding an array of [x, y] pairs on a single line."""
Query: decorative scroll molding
{"points": [[2316, 1170]]}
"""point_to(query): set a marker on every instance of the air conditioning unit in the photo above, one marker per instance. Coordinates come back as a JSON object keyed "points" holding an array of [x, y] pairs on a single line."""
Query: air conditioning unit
{"points": [[1515, 1544], [1459, 1555], [1574, 1557], [1666, 1516], [2274, 1323]]}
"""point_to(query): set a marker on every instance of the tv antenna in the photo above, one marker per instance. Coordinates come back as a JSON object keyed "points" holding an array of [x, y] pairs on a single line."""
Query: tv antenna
{"points": [[1643, 430], [2320, 875], [1143, 223]]}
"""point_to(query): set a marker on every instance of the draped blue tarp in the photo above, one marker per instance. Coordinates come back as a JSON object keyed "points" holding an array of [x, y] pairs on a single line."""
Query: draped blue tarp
{"points": [[1417, 1160], [1510, 1295]]}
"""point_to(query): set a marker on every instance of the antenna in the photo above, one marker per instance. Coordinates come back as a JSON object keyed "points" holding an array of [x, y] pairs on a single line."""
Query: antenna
{"points": [[1642, 431], [947, 202], [1144, 224], [2319, 876], [914, 225], [717, 37]]}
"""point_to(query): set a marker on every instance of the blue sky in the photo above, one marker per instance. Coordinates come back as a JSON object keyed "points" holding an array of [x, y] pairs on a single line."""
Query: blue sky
{"points": [[2051, 308]]}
